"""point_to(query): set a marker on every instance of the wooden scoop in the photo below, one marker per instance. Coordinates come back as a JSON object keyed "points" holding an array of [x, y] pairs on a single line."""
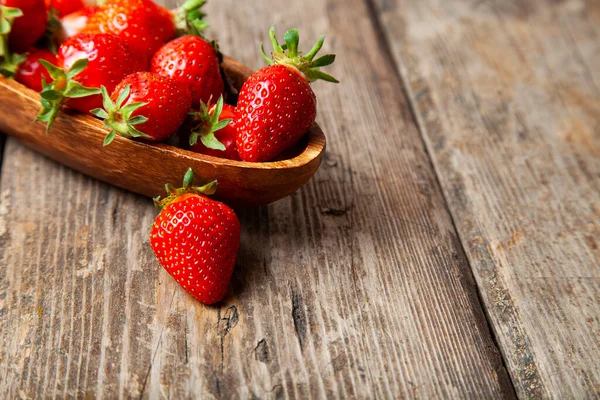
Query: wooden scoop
{"points": [[76, 140]]}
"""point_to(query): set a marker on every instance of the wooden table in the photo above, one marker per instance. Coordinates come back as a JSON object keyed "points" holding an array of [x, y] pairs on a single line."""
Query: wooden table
{"points": [[448, 247]]}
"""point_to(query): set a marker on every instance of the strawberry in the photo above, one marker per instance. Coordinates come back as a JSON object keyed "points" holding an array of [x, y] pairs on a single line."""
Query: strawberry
{"points": [[75, 22], [217, 131], [193, 62], [142, 23], [85, 63], [30, 72], [28, 26], [276, 105], [65, 7], [142, 94], [196, 240]]}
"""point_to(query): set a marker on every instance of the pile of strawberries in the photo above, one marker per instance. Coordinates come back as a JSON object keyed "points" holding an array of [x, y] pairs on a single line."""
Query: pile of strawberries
{"points": [[149, 73]]}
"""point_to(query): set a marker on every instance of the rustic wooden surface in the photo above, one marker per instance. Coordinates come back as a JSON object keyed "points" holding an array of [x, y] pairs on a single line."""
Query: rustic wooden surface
{"points": [[358, 285], [507, 98]]}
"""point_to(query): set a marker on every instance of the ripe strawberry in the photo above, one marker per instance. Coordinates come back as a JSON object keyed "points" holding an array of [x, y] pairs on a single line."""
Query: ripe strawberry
{"points": [[142, 23], [27, 28], [75, 22], [85, 63], [196, 240], [217, 131], [276, 105], [193, 62], [65, 7], [30, 72], [164, 101]]}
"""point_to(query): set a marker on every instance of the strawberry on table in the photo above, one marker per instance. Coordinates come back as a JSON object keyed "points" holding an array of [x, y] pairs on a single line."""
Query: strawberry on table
{"points": [[27, 28], [30, 72], [86, 63], [145, 105], [276, 105], [194, 62], [216, 130], [196, 240]]}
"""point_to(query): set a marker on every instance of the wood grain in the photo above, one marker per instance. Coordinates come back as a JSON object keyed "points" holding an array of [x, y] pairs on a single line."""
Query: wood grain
{"points": [[507, 97], [76, 140], [354, 287]]}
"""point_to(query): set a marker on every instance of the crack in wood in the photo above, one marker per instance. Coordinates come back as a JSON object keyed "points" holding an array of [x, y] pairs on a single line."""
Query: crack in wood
{"points": [[228, 321], [157, 346], [299, 317], [261, 351], [335, 212]]}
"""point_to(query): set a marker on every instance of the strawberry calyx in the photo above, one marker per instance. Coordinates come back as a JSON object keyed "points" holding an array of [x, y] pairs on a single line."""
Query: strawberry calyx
{"points": [[187, 188], [62, 87], [118, 118], [209, 124], [51, 38], [288, 54], [189, 18], [10, 62]]}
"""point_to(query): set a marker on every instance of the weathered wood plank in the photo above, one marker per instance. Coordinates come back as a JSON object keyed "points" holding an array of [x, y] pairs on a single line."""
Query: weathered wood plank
{"points": [[507, 97], [355, 287]]}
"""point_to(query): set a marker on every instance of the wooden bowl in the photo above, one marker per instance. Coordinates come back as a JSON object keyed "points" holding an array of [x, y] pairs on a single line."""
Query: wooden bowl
{"points": [[76, 140]]}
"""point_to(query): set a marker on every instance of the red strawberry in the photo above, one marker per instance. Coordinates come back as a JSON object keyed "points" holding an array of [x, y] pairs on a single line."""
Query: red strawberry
{"points": [[30, 72], [217, 131], [65, 7], [28, 28], [86, 63], [157, 106], [194, 62], [145, 25], [276, 105], [196, 240], [75, 22]]}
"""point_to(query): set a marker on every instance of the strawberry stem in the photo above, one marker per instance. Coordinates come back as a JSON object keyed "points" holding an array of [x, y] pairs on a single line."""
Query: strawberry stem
{"points": [[289, 55], [187, 188]]}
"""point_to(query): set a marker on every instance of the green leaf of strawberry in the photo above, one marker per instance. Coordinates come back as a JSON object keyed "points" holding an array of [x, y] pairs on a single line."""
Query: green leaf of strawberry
{"points": [[7, 17], [209, 124], [62, 87], [189, 18], [10, 62], [288, 55], [187, 188], [118, 118]]}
